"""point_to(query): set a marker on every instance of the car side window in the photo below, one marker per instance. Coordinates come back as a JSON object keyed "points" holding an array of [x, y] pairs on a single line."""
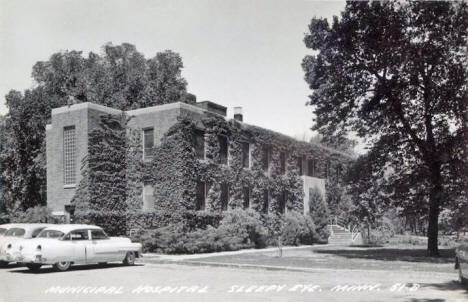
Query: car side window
{"points": [[36, 232], [79, 235], [98, 235]]}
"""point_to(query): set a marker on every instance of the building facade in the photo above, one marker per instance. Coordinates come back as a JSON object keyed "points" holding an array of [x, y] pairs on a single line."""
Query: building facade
{"points": [[234, 163]]}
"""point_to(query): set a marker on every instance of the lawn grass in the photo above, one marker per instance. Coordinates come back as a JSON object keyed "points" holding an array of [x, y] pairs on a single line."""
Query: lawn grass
{"points": [[380, 258]]}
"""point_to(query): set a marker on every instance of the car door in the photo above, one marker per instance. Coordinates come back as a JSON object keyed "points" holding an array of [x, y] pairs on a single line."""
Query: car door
{"points": [[79, 239], [103, 248]]}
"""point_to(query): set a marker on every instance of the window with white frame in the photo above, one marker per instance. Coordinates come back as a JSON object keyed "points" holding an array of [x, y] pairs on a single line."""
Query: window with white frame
{"points": [[202, 192], [266, 157], [283, 157], [148, 143], [245, 155], [223, 149], [199, 143], [148, 197], [224, 196], [282, 202], [246, 197], [69, 156], [266, 201]]}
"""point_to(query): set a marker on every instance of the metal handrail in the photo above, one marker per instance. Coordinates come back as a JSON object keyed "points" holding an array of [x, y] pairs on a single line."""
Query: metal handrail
{"points": [[354, 233], [338, 221]]}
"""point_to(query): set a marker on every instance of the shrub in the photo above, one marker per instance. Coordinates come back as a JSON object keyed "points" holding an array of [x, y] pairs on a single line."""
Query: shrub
{"points": [[37, 214], [318, 210], [237, 230], [382, 233], [298, 229], [242, 228]]}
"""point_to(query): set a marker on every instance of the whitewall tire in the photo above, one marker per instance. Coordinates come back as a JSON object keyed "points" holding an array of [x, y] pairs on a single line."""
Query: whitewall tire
{"points": [[62, 266]]}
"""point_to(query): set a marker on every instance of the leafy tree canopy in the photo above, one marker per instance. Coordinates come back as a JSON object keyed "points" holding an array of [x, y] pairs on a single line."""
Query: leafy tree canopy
{"points": [[396, 74], [119, 77]]}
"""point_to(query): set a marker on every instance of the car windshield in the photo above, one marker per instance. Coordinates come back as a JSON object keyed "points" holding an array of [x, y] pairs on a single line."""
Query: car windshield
{"points": [[2, 231], [50, 234], [15, 232]]}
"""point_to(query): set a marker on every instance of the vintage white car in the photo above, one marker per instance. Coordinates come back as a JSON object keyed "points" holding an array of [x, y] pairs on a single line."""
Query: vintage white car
{"points": [[14, 233], [67, 244]]}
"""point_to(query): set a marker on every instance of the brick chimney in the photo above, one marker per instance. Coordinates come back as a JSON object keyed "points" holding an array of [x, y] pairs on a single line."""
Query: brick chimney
{"points": [[238, 114]]}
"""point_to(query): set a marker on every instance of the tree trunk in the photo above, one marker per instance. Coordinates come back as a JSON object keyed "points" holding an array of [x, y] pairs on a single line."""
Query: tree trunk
{"points": [[435, 199]]}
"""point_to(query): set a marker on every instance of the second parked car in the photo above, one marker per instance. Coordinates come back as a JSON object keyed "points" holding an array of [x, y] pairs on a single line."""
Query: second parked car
{"points": [[14, 233], [64, 245]]}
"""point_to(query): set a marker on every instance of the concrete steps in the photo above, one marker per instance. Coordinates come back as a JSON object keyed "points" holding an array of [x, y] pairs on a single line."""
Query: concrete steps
{"points": [[339, 236]]}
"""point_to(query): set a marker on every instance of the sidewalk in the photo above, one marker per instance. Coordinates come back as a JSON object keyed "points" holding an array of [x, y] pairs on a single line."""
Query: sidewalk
{"points": [[152, 257]]}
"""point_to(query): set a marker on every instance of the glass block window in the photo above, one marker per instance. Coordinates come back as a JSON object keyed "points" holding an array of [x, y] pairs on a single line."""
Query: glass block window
{"points": [[148, 143], [69, 155]]}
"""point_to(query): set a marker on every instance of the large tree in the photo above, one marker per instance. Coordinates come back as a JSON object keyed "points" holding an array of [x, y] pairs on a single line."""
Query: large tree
{"points": [[119, 77], [395, 73]]}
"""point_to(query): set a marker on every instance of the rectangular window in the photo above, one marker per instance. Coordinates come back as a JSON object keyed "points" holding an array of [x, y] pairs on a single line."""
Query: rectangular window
{"points": [[246, 197], [69, 155], [311, 167], [246, 155], [148, 197], [266, 201], [224, 196], [299, 166], [283, 162], [223, 149], [327, 169], [338, 171], [98, 235], [201, 196], [199, 142], [266, 157], [79, 235], [282, 202], [148, 143]]}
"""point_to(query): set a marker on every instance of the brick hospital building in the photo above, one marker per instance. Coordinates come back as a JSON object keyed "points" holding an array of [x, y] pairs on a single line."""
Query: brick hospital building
{"points": [[67, 141]]}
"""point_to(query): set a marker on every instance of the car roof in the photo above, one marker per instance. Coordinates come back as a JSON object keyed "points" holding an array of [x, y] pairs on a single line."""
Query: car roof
{"points": [[10, 225], [65, 228], [25, 225]]}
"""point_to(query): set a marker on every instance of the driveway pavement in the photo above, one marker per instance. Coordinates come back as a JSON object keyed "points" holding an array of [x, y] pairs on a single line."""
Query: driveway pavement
{"points": [[178, 282]]}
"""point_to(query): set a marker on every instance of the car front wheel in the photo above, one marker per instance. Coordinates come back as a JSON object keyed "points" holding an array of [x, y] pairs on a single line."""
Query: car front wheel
{"points": [[129, 258], [62, 266], [33, 266]]}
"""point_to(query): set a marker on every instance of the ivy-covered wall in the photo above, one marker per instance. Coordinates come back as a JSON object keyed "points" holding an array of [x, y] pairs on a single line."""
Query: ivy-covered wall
{"points": [[111, 190]]}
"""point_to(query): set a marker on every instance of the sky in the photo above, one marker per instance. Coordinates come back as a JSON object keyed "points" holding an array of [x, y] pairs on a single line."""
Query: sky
{"points": [[235, 53]]}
